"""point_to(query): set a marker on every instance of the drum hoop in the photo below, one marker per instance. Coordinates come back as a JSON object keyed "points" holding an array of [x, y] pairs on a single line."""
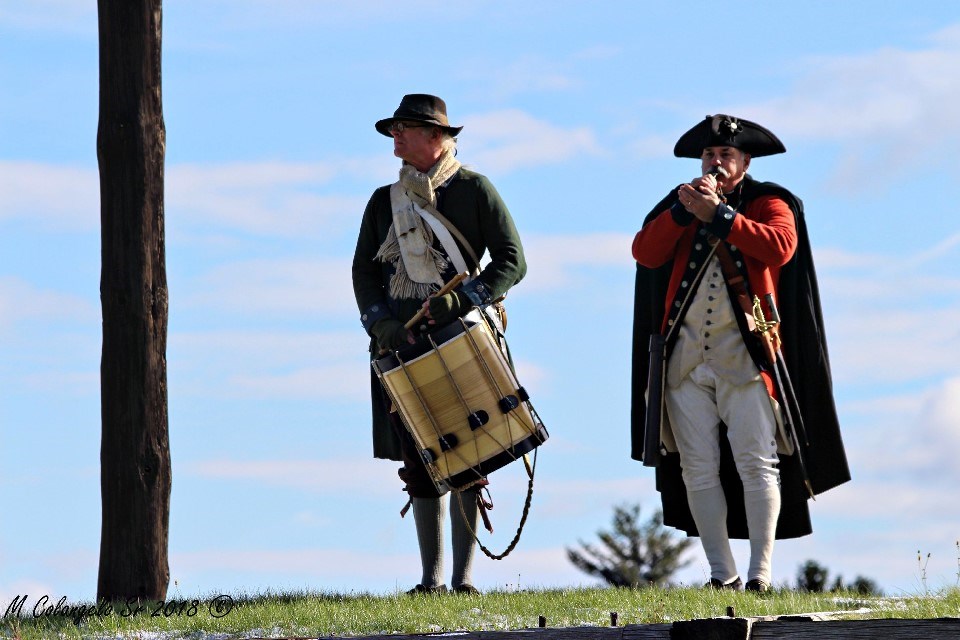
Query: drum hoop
{"points": [[422, 348]]}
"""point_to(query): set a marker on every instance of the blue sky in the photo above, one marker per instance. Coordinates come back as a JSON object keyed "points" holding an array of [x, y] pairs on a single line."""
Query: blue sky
{"points": [[572, 110]]}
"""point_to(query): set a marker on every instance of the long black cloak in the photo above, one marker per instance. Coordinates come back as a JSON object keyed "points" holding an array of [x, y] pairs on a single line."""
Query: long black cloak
{"points": [[805, 351]]}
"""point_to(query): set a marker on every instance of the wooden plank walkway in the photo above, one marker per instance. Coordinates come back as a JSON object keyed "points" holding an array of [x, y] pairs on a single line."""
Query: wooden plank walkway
{"points": [[814, 626]]}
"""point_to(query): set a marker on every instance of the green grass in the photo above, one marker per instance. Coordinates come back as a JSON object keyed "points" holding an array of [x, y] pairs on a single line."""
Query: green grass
{"points": [[320, 614]]}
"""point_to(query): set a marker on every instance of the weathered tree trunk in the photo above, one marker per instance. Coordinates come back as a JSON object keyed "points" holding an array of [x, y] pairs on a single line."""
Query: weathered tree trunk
{"points": [[135, 473]]}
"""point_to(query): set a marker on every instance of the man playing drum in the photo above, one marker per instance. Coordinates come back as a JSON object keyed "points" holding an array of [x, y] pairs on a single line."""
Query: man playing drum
{"points": [[404, 254], [739, 448]]}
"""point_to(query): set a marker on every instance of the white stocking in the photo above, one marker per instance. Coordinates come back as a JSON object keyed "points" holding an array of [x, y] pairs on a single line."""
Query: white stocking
{"points": [[763, 509], [709, 509]]}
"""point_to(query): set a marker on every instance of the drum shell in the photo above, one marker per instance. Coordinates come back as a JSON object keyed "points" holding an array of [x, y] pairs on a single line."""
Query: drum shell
{"points": [[435, 389]]}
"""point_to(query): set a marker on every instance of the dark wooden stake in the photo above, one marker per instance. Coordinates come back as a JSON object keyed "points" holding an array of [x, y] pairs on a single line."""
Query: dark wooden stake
{"points": [[135, 474]]}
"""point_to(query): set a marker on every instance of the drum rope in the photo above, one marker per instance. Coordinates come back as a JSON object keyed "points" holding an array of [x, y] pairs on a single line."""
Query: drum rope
{"points": [[423, 402], [395, 400], [449, 374], [493, 381], [432, 465], [531, 471], [464, 406]]}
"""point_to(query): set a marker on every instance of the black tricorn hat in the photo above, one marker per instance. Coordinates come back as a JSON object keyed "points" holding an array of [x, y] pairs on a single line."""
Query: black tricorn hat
{"points": [[727, 131], [419, 107]]}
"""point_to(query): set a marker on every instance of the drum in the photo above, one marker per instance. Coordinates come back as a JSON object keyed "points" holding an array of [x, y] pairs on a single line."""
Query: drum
{"points": [[460, 400]]}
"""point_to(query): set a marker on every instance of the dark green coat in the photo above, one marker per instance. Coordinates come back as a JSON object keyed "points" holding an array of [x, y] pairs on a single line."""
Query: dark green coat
{"points": [[471, 203]]}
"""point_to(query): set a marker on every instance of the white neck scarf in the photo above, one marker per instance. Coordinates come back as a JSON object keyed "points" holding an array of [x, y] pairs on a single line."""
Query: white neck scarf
{"points": [[409, 242]]}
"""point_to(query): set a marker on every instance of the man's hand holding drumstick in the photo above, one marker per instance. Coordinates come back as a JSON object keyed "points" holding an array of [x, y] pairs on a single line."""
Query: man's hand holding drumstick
{"points": [[392, 334], [445, 305]]}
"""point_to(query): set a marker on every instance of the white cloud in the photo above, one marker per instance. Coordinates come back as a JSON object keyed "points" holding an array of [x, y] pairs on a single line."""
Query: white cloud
{"points": [[891, 318], [535, 378], [503, 141], [878, 344], [267, 198], [343, 383], [63, 197], [54, 15], [65, 383], [316, 288], [30, 590], [885, 127], [563, 499], [315, 476], [834, 258], [270, 198], [652, 146], [22, 301], [259, 14], [939, 424], [945, 248], [561, 261], [271, 348], [523, 74], [902, 452], [250, 364]]}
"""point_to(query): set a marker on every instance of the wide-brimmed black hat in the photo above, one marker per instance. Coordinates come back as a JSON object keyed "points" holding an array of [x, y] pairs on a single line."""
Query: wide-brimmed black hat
{"points": [[727, 131], [419, 107]]}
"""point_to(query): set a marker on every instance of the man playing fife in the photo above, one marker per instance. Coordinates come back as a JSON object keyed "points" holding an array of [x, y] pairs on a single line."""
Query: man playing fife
{"points": [[728, 465]]}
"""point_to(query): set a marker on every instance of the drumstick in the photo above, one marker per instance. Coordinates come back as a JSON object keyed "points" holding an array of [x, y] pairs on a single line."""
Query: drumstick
{"points": [[445, 289]]}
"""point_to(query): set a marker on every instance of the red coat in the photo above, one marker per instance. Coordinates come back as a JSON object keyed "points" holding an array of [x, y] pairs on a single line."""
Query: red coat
{"points": [[766, 234], [772, 235]]}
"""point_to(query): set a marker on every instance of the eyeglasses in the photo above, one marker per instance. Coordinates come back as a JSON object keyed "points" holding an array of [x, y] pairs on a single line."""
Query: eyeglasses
{"points": [[400, 127]]}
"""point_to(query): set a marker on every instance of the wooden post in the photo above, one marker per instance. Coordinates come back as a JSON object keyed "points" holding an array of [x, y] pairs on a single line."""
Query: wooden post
{"points": [[135, 474]]}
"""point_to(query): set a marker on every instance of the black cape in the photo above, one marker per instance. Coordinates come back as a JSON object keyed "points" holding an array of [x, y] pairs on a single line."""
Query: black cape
{"points": [[805, 350]]}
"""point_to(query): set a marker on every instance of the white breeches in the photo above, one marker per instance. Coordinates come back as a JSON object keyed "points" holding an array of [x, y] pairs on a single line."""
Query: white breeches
{"points": [[698, 405]]}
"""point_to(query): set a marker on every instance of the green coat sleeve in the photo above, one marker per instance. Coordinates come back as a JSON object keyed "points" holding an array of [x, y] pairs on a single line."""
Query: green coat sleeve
{"points": [[369, 282], [475, 207]]}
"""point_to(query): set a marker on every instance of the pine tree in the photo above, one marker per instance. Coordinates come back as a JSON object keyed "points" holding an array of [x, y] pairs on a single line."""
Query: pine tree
{"points": [[813, 577], [632, 554]]}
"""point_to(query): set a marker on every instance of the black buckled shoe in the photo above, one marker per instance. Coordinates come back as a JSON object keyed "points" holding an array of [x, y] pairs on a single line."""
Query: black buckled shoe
{"points": [[757, 585], [430, 591], [734, 585], [467, 590]]}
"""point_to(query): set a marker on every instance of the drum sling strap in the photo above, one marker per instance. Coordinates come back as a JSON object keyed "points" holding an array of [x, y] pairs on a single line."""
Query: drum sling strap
{"points": [[432, 210]]}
